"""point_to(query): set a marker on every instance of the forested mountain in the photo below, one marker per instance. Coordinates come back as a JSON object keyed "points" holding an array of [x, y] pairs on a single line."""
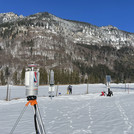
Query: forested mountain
{"points": [[78, 52]]}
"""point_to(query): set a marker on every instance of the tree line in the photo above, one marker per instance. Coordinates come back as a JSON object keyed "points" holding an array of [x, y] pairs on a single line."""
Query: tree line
{"points": [[85, 74], [60, 77]]}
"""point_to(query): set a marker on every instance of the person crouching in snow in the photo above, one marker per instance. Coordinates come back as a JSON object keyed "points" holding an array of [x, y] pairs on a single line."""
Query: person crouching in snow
{"points": [[102, 93], [109, 92]]}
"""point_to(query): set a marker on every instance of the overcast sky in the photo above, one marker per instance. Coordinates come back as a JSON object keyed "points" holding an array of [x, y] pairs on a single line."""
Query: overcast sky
{"points": [[119, 13]]}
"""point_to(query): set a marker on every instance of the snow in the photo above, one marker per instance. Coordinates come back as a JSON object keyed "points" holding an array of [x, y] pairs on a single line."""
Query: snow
{"points": [[79, 113]]}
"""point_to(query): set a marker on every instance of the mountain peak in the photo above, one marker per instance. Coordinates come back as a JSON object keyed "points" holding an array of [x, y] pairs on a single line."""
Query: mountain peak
{"points": [[41, 14], [109, 27], [9, 17]]}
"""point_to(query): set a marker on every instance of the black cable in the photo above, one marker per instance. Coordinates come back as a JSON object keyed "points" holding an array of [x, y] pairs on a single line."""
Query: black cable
{"points": [[35, 121]]}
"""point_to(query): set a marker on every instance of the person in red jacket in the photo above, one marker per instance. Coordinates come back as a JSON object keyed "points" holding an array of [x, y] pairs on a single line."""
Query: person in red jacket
{"points": [[102, 93]]}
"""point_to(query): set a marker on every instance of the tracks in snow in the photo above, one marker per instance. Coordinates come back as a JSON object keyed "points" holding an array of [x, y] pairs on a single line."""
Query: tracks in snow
{"points": [[73, 118], [128, 124], [80, 116]]}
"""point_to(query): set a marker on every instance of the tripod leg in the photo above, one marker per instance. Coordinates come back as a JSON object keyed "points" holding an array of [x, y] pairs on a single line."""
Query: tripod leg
{"points": [[40, 119], [36, 122], [17, 121], [39, 125]]}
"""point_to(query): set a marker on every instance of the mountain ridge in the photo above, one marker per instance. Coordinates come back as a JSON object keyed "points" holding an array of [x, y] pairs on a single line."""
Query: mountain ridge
{"points": [[21, 16]]}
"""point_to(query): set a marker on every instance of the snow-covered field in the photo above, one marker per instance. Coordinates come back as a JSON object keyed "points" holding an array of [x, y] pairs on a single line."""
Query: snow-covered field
{"points": [[79, 113]]}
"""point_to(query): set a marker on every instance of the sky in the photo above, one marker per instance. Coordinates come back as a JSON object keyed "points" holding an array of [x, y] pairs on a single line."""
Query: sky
{"points": [[118, 13]]}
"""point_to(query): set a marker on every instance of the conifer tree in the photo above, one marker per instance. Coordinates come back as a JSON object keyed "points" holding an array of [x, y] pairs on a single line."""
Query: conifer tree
{"points": [[2, 78], [43, 76], [15, 80], [22, 76], [7, 72]]}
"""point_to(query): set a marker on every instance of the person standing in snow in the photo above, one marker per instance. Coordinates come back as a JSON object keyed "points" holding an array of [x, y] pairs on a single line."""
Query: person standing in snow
{"points": [[69, 89]]}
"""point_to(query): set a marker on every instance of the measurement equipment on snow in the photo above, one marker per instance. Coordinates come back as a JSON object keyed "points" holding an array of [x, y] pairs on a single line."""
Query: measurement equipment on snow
{"points": [[32, 83], [51, 78], [51, 82], [108, 80]]}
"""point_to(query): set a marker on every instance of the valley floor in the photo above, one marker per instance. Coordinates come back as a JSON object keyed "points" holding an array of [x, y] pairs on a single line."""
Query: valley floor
{"points": [[73, 114]]}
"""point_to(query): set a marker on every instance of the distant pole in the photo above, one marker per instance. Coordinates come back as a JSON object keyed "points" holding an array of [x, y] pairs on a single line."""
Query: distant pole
{"points": [[125, 85], [128, 88], [9, 92], [57, 88], [87, 87], [48, 78], [7, 97]]}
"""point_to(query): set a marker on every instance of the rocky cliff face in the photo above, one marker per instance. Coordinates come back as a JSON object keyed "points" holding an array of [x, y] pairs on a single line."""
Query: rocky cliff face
{"points": [[53, 42]]}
